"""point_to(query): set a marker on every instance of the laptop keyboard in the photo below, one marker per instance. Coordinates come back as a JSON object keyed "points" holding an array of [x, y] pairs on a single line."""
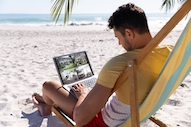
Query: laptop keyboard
{"points": [[89, 83]]}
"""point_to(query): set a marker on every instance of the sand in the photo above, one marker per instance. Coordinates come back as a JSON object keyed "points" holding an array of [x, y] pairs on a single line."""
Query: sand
{"points": [[26, 54]]}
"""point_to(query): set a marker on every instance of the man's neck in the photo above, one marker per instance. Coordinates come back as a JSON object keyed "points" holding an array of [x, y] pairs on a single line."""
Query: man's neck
{"points": [[142, 40]]}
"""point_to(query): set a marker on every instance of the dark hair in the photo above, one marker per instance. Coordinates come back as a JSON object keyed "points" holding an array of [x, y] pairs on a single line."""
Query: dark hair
{"points": [[129, 16]]}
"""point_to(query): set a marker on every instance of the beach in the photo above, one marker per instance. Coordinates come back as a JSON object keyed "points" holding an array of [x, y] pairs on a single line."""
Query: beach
{"points": [[26, 55]]}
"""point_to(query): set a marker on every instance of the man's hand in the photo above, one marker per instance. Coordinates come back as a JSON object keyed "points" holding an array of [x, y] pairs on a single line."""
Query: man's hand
{"points": [[80, 90]]}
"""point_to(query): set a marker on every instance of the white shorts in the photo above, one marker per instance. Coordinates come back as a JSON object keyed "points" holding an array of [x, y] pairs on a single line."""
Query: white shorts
{"points": [[115, 112]]}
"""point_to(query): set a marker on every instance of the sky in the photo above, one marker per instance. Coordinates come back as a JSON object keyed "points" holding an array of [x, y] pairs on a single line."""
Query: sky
{"points": [[83, 6]]}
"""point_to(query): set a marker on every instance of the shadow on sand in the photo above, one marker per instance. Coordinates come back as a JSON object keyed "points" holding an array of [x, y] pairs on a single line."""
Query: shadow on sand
{"points": [[36, 120]]}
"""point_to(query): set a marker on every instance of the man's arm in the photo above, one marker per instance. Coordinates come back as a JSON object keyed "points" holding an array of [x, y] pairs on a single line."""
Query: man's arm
{"points": [[88, 106]]}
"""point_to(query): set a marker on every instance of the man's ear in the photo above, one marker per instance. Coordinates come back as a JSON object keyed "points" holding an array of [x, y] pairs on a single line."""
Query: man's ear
{"points": [[129, 33]]}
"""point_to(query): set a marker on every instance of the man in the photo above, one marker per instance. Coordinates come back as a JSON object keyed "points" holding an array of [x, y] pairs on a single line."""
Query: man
{"points": [[130, 27]]}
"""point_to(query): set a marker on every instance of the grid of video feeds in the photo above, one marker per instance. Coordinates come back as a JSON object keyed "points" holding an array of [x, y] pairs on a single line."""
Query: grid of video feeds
{"points": [[73, 67]]}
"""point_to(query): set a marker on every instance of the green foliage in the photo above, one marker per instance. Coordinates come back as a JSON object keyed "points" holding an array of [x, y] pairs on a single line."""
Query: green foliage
{"points": [[57, 7], [169, 4]]}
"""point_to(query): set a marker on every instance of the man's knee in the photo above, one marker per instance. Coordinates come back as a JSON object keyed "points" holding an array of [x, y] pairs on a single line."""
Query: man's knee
{"points": [[49, 85]]}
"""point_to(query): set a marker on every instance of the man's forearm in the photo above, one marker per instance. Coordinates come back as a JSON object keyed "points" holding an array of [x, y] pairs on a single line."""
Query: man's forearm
{"points": [[79, 112]]}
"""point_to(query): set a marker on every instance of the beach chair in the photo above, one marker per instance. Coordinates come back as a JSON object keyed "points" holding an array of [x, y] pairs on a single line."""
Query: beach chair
{"points": [[168, 80], [176, 68]]}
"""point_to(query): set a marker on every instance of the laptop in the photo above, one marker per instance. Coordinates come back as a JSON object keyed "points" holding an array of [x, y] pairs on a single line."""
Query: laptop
{"points": [[75, 68], [72, 69]]}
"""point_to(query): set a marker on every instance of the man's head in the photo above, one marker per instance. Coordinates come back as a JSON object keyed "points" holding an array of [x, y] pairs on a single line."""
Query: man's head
{"points": [[130, 26], [129, 16]]}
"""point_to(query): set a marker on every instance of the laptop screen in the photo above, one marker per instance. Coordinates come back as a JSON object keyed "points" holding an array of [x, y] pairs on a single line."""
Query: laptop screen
{"points": [[73, 67]]}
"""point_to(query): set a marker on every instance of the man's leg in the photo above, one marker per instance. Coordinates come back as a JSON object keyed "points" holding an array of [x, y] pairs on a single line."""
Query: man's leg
{"points": [[53, 95]]}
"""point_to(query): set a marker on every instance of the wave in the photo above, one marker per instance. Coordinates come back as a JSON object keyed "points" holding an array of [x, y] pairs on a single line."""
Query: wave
{"points": [[75, 19]]}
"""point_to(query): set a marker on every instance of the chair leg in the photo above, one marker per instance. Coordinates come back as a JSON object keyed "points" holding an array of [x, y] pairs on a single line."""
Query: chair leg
{"points": [[157, 121]]}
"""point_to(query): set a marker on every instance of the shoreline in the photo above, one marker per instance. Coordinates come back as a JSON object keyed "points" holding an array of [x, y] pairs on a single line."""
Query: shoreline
{"points": [[170, 39]]}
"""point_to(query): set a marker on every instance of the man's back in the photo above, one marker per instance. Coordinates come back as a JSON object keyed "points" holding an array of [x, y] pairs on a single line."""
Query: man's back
{"points": [[147, 72]]}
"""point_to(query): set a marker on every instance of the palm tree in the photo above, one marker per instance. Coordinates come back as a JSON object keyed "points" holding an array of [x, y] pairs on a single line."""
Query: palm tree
{"points": [[58, 6]]}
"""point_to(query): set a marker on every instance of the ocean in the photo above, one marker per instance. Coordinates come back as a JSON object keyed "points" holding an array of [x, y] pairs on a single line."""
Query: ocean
{"points": [[75, 19]]}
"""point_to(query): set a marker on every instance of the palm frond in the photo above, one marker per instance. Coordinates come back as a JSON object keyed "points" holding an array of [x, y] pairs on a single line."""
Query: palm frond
{"points": [[169, 4], [57, 7]]}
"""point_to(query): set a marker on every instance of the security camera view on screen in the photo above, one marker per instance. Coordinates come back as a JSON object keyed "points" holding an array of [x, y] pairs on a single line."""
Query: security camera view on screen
{"points": [[73, 67]]}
